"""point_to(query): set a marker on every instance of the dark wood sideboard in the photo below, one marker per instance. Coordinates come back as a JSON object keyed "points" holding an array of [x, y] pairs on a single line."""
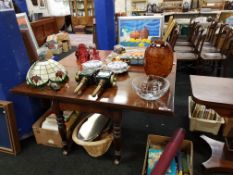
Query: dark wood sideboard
{"points": [[43, 28]]}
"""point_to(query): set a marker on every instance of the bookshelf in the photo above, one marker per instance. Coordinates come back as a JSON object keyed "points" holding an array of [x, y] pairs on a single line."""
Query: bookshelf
{"points": [[82, 12], [139, 5]]}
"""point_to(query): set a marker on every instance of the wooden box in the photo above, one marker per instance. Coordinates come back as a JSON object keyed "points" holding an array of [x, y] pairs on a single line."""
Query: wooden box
{"points": [[187, 147], [50, 137]]}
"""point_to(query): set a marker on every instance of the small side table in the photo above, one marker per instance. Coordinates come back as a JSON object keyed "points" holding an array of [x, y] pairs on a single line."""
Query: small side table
{"points": [[215, 93], [219, 159]]}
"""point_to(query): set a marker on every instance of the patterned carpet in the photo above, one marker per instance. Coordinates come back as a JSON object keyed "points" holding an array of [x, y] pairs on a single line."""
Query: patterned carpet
{"points": [[76, 39]]}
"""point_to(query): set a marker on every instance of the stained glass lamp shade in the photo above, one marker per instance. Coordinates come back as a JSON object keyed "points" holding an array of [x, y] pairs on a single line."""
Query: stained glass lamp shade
{"points": [[43, 72]]}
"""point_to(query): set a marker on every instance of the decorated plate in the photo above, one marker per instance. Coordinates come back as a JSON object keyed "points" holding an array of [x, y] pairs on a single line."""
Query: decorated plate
{"points": [[93, 64], [118, 67]]}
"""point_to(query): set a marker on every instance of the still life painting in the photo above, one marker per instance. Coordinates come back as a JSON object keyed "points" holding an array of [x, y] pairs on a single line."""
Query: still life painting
{"points": [[24, 24], [137, 31]]}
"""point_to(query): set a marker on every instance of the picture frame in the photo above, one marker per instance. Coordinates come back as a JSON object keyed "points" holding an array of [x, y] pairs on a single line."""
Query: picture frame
{"points": [[6, 5], [34, 2], [9, 139], [24, 24], [42, 4], [137, 31]]}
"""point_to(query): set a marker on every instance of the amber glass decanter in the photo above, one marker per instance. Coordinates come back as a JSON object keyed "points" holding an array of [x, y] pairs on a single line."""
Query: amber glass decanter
{"points": [[158, 59]]}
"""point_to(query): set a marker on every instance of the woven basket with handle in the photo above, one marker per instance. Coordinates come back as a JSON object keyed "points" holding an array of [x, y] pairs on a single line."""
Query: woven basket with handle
{"points": [[93, 148]]}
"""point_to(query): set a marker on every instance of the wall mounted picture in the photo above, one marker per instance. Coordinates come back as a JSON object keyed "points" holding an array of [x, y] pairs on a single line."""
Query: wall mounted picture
{"points": [[6, 5], [9, 140], [187, 4], [42, 4], [24, 24], [137, 31], [229, 21], [34, 2]]}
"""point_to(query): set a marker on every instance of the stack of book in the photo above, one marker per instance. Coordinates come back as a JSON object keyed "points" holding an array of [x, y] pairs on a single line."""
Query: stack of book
{"points": [[180, 165], [202, 112], [50, 121]]}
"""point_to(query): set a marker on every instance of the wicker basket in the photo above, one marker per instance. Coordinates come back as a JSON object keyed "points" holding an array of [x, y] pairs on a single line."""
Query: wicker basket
{"points": [[93, 148]]}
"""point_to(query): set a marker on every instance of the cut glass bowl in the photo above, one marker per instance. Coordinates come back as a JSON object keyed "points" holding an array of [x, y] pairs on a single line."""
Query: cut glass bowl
{"points": [[150, 87]]}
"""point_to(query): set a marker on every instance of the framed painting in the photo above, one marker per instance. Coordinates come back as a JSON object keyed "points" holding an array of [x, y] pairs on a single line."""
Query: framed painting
{"points": [[42, 4], [137, 31], [229, 21], [34, 2], [6, 5], [24, 24], [9, 140]]}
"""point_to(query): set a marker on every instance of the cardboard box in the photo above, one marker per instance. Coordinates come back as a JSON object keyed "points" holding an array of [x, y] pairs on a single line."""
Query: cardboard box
{"points": [[50, 137], [158, 140]]}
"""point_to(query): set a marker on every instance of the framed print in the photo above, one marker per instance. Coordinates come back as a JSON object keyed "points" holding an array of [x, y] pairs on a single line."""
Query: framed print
{"points": [[9, 140], [24, 24], [42, 3], [34, 2], [137, 31], [229, 21], [6, 5]]}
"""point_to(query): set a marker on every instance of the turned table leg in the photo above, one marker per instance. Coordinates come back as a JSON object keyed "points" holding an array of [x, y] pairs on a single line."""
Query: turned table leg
{"points": [[116, 119], [61, 127]]}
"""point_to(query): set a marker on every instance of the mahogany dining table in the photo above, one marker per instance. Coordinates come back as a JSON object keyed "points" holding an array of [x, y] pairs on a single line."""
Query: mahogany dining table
{"points": [[111, 103], [215, 93]]}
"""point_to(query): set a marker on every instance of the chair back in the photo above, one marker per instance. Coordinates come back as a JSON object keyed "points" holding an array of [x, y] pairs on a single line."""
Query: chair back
{"points": [[169, 30], [192, 27], [211, 30], [173, 38], [195, 33], [201, 37], [224, 40], [230, 50], [227, 40], [218, 34]]}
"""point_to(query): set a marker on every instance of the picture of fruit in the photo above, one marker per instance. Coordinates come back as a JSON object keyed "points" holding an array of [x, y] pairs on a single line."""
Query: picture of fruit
{"points": [[144, 33], [134, 34], [141, 44]]}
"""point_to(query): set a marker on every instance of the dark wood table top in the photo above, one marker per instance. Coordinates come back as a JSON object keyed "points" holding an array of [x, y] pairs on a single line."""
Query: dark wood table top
{"points": [[122, 96], [217, 93], [212, 91]]}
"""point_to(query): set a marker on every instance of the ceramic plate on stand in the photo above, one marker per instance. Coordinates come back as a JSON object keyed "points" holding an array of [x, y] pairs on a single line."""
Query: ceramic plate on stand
{"points": [[118, 67], [92, 64]]}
